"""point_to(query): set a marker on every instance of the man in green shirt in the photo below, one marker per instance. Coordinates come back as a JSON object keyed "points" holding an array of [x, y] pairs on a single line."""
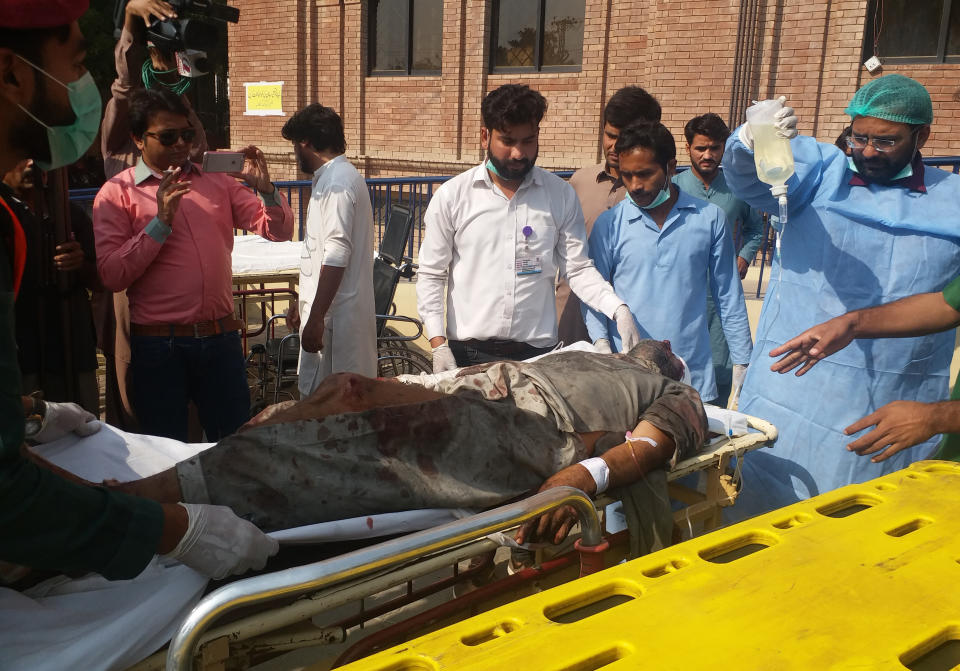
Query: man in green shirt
{"points": [[50, 111], [900, 424], [706, 137]]}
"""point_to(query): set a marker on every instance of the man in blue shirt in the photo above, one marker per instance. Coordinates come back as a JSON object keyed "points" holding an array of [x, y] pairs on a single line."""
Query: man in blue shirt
{"points": [[661, 248], [706, 135]]}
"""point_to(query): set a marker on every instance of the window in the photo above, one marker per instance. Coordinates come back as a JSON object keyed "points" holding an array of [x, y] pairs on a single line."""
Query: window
{"points": [[406, 37], [537, 35], [907, 31]]}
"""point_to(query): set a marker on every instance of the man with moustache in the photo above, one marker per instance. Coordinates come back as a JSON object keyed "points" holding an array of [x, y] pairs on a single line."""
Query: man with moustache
{"points": [[336, 312], [496, 237], [706, 135], [658, 247], [863, 229], [50, 111], [599, 188], [164, 232]]}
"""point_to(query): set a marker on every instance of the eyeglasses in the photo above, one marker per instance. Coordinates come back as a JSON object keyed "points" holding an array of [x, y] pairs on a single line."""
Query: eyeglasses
{"points": [[169, 136], [881, 144]]}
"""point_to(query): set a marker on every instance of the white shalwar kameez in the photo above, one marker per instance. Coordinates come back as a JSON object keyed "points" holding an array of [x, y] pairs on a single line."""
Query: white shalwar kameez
{"points": [[339, 233]]}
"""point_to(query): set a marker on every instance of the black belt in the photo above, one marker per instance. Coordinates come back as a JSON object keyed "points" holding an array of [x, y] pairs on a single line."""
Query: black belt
{"points": [[198, 330], [498, 347]]}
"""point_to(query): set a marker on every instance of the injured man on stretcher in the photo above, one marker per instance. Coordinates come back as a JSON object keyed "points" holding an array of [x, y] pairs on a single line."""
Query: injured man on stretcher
{"points": [[475, 439]]}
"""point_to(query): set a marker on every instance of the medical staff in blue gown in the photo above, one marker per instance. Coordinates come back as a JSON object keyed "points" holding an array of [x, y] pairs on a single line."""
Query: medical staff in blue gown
{"points": [[662, 249], [863, 230]]}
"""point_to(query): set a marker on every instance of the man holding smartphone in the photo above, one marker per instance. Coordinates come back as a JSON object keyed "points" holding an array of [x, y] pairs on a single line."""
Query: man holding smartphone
{"points": [[164, 231]]}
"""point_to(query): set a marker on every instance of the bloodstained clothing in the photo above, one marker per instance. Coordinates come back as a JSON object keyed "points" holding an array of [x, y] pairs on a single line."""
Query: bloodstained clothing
{"points": [[494, 433]]}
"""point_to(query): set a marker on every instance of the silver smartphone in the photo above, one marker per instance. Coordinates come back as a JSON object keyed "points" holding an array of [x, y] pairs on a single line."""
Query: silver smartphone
{"points": [[222, 161]]}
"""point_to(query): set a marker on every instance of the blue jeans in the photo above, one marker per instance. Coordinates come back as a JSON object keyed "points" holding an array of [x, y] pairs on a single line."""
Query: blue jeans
{"points": [[167, 372]]}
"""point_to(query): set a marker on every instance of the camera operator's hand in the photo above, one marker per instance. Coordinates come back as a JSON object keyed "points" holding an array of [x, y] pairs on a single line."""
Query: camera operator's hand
{"points": [[169, 194], [255, 171], [147, 10]]}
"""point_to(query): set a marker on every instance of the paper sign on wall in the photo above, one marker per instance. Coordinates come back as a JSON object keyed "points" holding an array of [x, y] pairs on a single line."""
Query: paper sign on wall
{"points": [[263, 98]]}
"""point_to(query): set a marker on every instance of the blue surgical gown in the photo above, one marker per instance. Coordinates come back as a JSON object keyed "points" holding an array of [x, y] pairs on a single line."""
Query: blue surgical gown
{"points": [[662, 274], [843, 247]]}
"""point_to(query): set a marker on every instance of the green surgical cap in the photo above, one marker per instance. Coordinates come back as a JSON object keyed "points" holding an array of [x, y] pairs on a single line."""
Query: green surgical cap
{"points": [[893, 98]]}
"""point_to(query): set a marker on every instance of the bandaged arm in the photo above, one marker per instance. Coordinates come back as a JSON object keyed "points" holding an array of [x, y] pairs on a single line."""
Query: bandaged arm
{"points": [[671, 429]]}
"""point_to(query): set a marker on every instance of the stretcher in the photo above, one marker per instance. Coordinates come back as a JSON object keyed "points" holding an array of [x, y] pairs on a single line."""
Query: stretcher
{"points": [[256, 260], [862, 577], [83, 618]]}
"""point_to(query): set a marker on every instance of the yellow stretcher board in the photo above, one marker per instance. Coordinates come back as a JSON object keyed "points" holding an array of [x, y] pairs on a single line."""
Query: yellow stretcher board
{"points": [[865, 577]]}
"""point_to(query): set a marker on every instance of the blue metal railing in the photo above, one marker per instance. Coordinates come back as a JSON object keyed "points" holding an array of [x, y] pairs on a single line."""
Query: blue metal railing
{"points": [[416, 192]]}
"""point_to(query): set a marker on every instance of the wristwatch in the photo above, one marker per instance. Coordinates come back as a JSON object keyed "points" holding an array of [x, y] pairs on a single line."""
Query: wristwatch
{"points": [[34, 421]]}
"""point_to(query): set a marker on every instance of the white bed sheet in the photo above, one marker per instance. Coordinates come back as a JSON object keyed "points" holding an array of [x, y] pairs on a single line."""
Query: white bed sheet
{"points": [[253, 255], [94, 623]]}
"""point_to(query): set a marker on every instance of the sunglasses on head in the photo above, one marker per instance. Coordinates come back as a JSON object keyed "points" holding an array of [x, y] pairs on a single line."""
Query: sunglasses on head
{"points": [[169, 136]]}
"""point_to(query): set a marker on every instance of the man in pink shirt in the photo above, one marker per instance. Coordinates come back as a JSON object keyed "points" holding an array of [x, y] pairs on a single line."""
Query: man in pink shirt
{"points": [[164, 233]]}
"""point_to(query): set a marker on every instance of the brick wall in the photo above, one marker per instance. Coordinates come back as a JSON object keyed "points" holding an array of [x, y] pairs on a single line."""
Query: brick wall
{"points": [[682, 51]]}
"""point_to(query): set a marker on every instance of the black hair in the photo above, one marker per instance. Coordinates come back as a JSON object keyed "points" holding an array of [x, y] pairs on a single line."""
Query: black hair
{"points": [[841, 141], [709, 125], [29, 43], [146, 103], [512, 105], [655, 352], [320, 126], [651, 135], [630, 105]]}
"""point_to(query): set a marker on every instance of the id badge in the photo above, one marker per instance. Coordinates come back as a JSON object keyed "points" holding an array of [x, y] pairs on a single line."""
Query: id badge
{"points": [[528, 264]]}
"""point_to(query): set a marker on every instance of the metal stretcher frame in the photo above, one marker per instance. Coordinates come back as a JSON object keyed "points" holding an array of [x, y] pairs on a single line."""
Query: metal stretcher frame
{"points": [[347, 578], [360, 563]]}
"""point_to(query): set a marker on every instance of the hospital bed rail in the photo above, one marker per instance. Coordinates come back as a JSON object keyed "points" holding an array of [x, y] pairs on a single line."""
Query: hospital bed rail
{"points": [[301, 580]]}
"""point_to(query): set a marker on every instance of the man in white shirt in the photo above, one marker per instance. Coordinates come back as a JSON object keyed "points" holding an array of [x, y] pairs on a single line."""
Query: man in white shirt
{"points": [[336, 308], [497, 236]]}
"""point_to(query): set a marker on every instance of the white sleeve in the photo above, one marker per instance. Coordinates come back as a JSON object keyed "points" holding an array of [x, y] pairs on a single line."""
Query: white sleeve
{"points": [[573, 262], [338, 210], [436, 252]]}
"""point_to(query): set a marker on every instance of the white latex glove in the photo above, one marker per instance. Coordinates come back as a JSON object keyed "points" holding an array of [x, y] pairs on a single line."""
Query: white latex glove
{"points": [[602, 345], [218, 543], [59, 419], [627, 328], [786, 125], [443, 359], [739, 373]]}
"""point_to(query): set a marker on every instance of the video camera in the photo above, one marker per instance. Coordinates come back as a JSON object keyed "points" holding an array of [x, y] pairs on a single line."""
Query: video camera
{"points": [[190, 35]]}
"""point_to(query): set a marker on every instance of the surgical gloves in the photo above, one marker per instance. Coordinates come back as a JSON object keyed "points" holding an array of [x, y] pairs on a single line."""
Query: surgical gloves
{"points": [[443, 359], [218, 543], [59, 419], [786, 125], [627, 328], [739, 373], [602, 345]]}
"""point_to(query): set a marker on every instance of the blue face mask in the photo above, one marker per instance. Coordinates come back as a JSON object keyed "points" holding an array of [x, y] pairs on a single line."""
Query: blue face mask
{"points": [[68, 143], [661, 198]]}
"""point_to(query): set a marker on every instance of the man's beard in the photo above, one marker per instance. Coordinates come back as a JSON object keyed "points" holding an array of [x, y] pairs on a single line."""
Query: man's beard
{"points": [[27, 136], [512, 174], [700, 171], [878, 169]]}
